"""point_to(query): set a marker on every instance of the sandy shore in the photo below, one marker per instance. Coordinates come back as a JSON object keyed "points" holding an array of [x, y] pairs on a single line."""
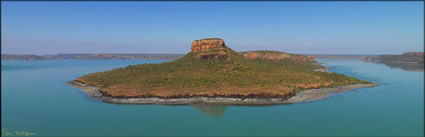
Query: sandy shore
{"points": [[303, 96]]}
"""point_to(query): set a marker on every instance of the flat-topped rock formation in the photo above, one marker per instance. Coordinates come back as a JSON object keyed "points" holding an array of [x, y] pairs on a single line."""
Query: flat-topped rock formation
{"points": [[206, 44], [210, 48]]}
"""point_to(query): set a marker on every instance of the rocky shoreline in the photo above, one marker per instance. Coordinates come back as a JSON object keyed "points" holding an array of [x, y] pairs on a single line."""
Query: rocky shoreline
{"points": [[303, 96]]}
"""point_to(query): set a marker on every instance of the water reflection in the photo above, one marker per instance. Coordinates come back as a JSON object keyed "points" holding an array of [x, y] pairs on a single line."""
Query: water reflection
{"points": [[404, 66], [214, 110], [217, 110]]}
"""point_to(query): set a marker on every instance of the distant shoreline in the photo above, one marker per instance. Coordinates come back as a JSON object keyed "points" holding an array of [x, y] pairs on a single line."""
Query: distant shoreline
{"points": [[92, 56], [136, 56], [302, 96]]}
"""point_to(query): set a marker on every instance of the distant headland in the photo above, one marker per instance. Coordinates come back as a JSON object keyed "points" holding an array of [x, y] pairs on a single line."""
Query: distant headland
{"points": [[411, 61], [214, 73]]}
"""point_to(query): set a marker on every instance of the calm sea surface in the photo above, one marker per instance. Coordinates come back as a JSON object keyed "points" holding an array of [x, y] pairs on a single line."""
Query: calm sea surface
{"points": [[35, 98]]}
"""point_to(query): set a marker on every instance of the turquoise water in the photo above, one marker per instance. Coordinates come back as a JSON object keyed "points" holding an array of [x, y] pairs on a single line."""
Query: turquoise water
{"points": [[36, 99]]}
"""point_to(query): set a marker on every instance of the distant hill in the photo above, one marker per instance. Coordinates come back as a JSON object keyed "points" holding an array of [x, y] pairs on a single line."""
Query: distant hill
{"points": [[408, 57], [408, 61]]}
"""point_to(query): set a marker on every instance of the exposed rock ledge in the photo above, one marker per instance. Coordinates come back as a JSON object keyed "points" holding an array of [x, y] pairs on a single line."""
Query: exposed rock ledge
{"points": [[306, 95]]}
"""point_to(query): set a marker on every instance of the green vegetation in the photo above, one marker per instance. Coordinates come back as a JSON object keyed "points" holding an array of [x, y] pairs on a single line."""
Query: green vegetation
{"points": [[220, 70]]}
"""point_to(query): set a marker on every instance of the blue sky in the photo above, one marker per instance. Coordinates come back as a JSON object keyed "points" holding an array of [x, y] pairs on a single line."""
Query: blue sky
{"points": [[170, 27]]}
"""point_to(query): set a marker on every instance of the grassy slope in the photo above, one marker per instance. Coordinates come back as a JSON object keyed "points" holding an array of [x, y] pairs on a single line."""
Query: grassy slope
{"points": [[234, 75]]}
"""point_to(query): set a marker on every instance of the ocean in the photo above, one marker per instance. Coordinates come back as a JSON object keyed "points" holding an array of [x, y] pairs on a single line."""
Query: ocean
{"points": [[36, 99]]}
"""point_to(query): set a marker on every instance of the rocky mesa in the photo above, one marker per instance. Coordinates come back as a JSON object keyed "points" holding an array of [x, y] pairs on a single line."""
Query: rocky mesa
{"points": [[210, 48], [207, 43]]}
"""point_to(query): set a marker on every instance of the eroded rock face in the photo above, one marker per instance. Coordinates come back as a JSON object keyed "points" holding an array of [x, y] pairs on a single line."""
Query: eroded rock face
{"points": [[275, 56], [206, 44], [210, 48], [311, 58], [271, 56]]}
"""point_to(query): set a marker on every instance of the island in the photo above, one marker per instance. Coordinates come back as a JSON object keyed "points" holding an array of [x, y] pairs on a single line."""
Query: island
{"points": [[214, 73]]}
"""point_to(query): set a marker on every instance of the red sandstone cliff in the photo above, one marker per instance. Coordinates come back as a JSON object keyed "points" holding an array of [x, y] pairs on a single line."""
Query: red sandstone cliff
{"points": [[205, 44], [221, 52]]}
